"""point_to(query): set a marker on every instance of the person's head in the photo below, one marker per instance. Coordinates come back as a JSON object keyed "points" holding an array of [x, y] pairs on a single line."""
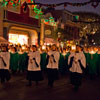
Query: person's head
{"points": [[14, 49], [78, 48], [28, 49], [21, 50], [85, 48], [73, 48], [48, 48], [64, 49], [43, 48], [34, 48], [69, 48], [54, 48], [98, 48], [91, 48], [4, 49]]}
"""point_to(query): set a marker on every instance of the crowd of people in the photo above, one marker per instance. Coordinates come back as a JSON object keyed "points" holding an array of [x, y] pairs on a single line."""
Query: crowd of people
{"points": [[52, 60]]}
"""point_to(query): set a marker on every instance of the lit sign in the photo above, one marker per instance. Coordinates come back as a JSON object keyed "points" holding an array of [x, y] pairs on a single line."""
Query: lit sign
{"points": [[47, 32]]}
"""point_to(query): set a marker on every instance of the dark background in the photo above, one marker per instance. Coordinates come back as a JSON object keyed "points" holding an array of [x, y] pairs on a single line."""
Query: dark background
{"points": [[86, 8]]}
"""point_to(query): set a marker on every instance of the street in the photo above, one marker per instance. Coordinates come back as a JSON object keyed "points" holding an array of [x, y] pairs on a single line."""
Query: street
{"points": [[16, 90], [53, 37]]}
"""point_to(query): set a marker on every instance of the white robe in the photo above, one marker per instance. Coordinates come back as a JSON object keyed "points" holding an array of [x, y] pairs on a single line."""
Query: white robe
{"points": [[75, 65], [51, 63], [6, 58], [31, 63]]}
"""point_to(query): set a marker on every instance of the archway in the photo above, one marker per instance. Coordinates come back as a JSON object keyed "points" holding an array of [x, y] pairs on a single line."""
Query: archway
{"points": [[21, 35]]}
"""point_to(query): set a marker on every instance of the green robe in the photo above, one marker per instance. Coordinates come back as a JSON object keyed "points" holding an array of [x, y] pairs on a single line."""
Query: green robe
{"points": [[86, 56], [92, 63], [14, 61], [22, 61], [66, 57], [87, 62], [43, 61], [63, 63], [98, 64]]}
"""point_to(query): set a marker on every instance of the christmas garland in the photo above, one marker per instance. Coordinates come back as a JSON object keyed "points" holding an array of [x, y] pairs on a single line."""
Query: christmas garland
{"points": [[10, 2], [93, 3]]}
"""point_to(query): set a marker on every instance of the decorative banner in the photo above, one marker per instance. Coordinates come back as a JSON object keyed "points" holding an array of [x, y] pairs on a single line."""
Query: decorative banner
{"points": [[47, 32]]}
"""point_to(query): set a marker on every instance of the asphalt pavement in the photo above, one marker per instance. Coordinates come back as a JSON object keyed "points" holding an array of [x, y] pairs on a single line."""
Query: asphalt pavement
{"points": [[16, 89]]}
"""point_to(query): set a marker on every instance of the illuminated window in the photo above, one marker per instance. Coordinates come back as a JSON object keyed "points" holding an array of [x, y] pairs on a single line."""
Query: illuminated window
{"points": [[18, 39]]}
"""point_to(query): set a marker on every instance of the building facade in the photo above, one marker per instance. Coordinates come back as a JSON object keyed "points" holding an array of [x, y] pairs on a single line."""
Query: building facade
{"points": [[69, 30], [18, 26]]}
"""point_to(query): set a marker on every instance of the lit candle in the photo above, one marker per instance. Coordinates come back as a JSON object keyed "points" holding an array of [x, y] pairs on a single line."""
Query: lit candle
{"points": [[73, 47], [96, 49], [92, 52], [43, 47], [23, 47], [64, 54]]}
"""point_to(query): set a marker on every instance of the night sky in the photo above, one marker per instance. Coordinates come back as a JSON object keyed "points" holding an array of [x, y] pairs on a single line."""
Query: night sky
{"points": [[85, 8]]}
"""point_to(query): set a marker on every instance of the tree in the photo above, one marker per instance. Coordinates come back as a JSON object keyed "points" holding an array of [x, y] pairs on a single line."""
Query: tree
{"points": [[90, 24], [64, 35], [96, 38]]}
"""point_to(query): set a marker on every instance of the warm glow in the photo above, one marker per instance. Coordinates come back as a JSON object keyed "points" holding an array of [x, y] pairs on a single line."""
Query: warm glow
{"points": [[96, 49], [69, 43], [18, 39], [43, 47], [48, 44], [92, 52], [64, 54], [23, 47], [73, 47]]}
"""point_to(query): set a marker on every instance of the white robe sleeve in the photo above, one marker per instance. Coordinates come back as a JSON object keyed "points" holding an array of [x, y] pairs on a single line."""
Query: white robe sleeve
{"points": [[38, 58], [56, 57], [83, 60], [7, 60], [69, 58]]}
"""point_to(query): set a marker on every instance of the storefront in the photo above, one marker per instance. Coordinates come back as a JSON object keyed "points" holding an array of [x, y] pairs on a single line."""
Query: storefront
{"points": [[22, 36], [20, 28], [18, 39]]}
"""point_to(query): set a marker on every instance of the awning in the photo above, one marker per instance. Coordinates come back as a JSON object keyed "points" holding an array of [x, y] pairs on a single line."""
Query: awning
{"points": [[3, 40]]}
